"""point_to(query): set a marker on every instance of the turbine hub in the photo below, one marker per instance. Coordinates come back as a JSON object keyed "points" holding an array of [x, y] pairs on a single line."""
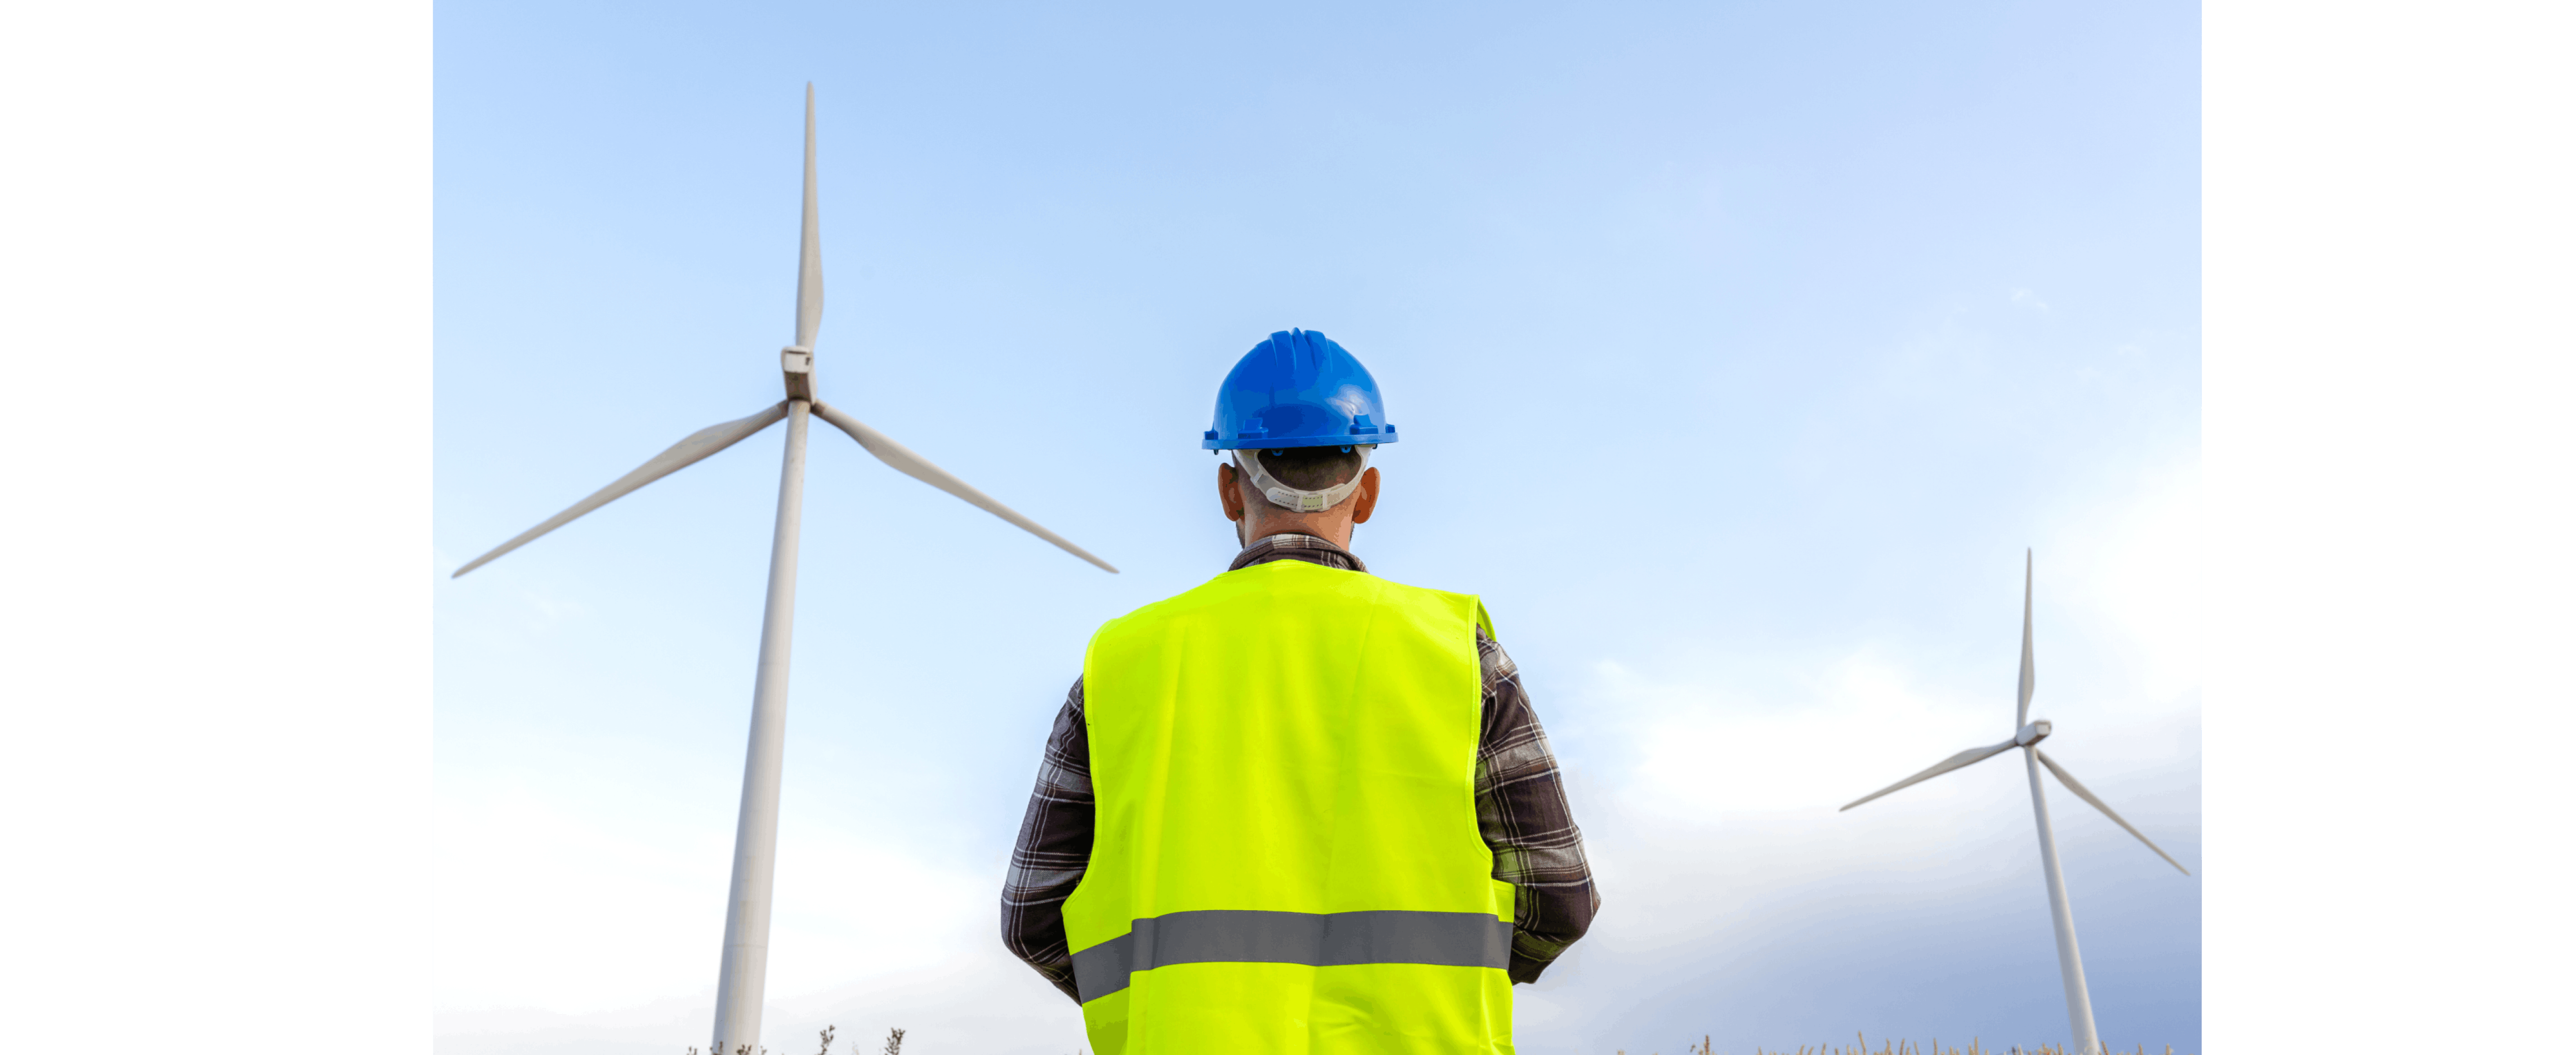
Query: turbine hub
{"points": [[798, 365], [2032, 733]]}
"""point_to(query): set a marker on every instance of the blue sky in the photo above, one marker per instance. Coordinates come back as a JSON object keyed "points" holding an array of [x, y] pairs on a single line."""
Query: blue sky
{"points": [[1739, 352]]}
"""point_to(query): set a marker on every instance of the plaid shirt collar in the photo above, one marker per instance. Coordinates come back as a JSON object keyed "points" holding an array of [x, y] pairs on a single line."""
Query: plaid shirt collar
{"points": [[1295, 546]]}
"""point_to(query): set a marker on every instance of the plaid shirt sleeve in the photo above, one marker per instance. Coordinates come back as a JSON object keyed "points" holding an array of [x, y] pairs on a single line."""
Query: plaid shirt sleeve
{"points": [[1521, 808], [1053, 849]]}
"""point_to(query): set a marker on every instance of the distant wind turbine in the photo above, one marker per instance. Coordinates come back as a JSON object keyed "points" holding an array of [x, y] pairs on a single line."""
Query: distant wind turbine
{"points": [[2028, 734], [740, 984]]}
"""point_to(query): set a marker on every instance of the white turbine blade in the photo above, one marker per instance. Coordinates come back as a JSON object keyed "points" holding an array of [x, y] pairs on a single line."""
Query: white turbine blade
{"points": [[683, 454], [919, 468], [1962, 760], [809, 251], [2029, 673], [2068, 779]]}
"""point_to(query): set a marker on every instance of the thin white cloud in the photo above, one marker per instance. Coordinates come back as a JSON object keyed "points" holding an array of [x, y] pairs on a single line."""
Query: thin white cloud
{"points": [[2134, 561], [553, 905]]}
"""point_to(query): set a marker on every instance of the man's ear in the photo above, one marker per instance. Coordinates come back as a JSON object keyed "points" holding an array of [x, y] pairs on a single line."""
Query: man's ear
{"points": [[1365, 502], [1228, 493]]}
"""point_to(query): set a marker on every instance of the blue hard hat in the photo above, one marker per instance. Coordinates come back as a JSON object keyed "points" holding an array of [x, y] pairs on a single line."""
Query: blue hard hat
{"points": [[1297, 389]]}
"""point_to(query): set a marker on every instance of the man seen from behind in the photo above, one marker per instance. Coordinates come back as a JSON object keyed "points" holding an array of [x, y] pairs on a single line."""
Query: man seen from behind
{"points": [[1299, 808]]}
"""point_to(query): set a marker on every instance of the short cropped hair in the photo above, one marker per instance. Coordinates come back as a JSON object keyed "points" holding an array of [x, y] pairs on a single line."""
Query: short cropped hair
{"points": [[1309, 468]]}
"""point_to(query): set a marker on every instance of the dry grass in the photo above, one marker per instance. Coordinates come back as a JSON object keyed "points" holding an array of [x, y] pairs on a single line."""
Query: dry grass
{"points": [[893, 1046]]}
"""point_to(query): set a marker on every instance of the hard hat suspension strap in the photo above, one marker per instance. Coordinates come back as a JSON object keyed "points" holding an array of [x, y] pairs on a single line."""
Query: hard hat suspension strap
{"points": [[1248, 462]]}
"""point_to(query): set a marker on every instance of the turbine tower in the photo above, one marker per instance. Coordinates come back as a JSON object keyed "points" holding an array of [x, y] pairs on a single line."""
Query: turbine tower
{"points": [[2027, 735], [741, 981]]}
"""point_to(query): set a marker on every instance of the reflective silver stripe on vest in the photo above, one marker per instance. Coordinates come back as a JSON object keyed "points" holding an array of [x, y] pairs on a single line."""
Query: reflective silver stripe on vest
{"points": [[1319, 939]]}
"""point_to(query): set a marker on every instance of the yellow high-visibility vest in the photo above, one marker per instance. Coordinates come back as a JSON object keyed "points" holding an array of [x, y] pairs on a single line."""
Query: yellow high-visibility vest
{"points": [[1286, 858]]}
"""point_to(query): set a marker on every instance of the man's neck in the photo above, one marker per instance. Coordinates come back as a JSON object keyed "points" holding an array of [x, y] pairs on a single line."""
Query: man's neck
{"points": [[1293, 545], [1325, 526]]}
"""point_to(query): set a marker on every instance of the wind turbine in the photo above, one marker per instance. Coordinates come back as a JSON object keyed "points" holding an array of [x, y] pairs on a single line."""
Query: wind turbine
{"points": [[741, 981], [2027, 735]]}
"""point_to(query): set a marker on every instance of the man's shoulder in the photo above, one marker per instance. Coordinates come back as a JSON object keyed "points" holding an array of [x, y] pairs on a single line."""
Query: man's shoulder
{"points": [[1272, 582], [1253, 592], [1202, 595]]}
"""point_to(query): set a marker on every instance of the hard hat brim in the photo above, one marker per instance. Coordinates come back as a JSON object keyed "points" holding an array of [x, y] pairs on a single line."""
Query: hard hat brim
{"points": [[1280, 443]]}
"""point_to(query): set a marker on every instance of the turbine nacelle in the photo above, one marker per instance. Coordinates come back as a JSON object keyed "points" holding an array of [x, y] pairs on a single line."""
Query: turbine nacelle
{"points": [[797, 364], [2033, 733]]}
